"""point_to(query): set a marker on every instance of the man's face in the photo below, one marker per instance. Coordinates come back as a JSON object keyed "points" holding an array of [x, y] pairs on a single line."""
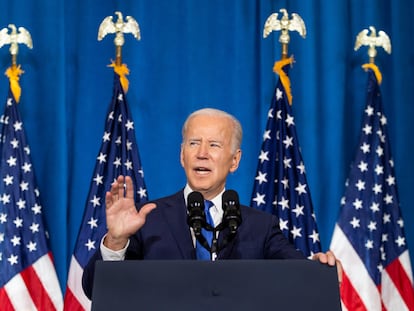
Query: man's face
{"points": [[206, 154]]}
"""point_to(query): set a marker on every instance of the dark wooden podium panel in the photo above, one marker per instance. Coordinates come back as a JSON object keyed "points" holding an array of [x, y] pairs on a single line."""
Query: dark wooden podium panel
{"points": [[214, 286]]}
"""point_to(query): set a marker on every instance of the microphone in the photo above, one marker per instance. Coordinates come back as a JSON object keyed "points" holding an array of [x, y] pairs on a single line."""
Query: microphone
{"points": [[231, 208], [196, 217]]}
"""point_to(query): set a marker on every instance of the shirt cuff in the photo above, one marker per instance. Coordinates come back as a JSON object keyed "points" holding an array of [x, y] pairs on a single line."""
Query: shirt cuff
{"points": [[111, 255]]}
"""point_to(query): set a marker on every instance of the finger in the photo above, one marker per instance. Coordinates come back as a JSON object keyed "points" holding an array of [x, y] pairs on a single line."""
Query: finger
{"points": [[108, 199], [146, 209], [114, 188], [121, 186], [331, 258], [340, 270], [129, 187], [321, 257]]}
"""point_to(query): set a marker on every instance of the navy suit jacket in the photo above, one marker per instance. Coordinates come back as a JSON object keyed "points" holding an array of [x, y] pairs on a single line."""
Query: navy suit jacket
{"points": [[166, 235]]}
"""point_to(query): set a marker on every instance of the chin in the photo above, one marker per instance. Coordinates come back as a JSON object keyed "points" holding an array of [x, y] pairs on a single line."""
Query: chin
{"points": [[199, 186]]}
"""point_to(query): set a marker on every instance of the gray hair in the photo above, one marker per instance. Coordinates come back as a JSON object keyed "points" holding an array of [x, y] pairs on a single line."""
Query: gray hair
{"points": [[237, 128]]}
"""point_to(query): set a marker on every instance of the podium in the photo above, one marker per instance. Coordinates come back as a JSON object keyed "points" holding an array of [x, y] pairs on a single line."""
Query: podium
{"points": [[214, 286]]}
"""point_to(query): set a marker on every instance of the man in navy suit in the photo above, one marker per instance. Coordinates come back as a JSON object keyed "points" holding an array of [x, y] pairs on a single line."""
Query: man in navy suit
{"points": [[210, 150]]}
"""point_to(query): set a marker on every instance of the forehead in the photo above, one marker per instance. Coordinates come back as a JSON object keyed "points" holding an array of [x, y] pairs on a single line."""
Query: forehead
{"points": [[209, 126]]}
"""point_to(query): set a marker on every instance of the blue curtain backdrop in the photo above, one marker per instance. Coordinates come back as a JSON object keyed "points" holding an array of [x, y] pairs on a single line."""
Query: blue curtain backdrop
{"points": [[196, 54]]}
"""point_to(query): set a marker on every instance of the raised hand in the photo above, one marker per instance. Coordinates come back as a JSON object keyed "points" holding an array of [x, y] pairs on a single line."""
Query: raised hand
{"points": [[122, 217]]}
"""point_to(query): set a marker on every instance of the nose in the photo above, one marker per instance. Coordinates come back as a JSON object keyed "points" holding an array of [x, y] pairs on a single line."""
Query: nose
{"points": [[202, 151]]}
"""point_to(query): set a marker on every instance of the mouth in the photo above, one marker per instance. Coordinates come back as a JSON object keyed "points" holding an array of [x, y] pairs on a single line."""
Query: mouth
{"points": [[202, 170]]}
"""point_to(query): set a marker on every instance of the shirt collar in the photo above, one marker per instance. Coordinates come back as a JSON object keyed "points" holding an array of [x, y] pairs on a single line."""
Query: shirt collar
{"points": [[216, 200]]}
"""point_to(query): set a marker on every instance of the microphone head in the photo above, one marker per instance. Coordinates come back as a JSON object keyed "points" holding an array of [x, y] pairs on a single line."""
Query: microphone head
{"points": [[196, 217], [195, 200], [231, 209], [230, 198]]}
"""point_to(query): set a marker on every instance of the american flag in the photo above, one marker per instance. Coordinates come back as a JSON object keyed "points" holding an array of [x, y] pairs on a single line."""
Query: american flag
{"points": [[369, 235], [28, 279], [280, 186], [118, 156]]}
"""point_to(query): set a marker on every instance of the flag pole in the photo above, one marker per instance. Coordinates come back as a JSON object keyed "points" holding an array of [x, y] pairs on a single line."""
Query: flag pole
{"points": [[118, 28], [285, 25]]}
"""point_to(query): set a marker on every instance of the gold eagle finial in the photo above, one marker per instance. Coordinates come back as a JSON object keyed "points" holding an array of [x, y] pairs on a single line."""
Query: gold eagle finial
{"points": [[373, 41], [285, 25], [120, 27], [14, 39]]}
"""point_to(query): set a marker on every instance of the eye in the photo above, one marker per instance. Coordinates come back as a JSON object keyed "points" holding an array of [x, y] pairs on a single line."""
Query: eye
{"points": [[193, 143]]}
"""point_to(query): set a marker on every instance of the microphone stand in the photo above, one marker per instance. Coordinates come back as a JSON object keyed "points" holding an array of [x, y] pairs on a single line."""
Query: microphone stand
{"points": [[214, 245], [214, 248]]}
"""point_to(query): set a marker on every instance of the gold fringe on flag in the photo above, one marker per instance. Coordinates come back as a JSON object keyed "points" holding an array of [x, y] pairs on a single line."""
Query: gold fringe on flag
{"points": [[375, 69], [122, 71], [13, 73], [284, 78]]}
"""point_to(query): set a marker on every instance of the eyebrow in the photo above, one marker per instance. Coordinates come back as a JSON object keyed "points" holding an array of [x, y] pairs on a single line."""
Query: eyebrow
{"points": [[208, 140]]}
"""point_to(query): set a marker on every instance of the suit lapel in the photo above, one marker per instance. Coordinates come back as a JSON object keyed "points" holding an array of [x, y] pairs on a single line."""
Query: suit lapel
{"points": [[175, 213]]}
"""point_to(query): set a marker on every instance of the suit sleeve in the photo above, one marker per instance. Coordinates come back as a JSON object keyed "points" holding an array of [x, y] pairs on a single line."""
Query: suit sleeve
{"points": [[277, 246], [88, 274]]}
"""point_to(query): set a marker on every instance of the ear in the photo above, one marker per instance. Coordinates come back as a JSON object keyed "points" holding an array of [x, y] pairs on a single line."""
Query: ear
{"points": [[182, 156], [235, 161]]}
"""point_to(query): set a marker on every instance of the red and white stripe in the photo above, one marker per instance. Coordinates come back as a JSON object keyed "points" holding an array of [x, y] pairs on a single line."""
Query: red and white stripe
{"points": [[359, 292], [35, 288], [75, 298]]}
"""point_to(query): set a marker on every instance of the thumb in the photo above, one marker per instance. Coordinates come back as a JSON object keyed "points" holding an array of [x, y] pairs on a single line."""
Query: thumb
{"points": [[146, 209]]}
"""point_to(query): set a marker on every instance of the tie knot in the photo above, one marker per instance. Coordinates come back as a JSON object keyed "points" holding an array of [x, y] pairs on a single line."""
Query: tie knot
{"points": [[207, 205]]}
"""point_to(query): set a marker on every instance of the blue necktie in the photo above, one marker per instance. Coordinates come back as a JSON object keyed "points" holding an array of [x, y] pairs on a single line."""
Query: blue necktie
{"points": [[201, 252]]}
